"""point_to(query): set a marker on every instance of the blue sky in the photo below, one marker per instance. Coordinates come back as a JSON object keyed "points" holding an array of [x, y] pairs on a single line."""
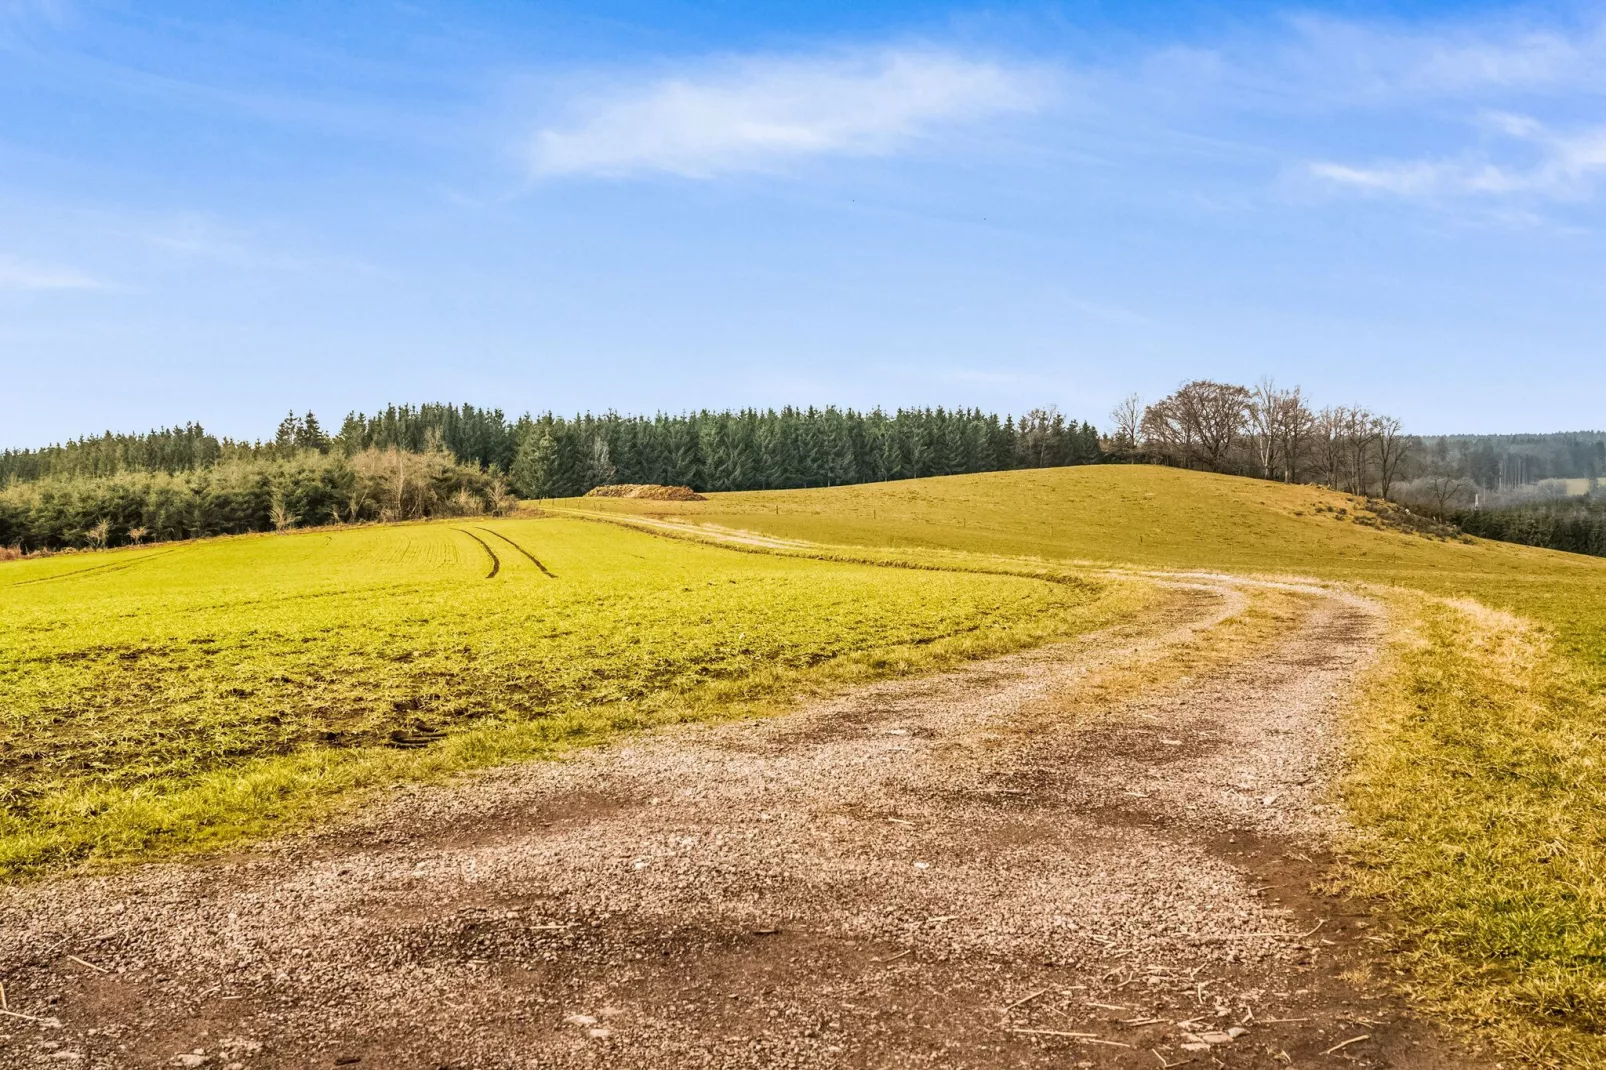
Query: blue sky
{"points": [[219, 212]]}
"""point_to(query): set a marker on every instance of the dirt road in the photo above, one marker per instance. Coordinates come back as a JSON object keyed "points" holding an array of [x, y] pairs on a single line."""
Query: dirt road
{"points": [[923, 873]]}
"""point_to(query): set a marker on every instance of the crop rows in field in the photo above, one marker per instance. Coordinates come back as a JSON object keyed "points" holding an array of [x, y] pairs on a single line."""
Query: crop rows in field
{"points": [[138, 682]]}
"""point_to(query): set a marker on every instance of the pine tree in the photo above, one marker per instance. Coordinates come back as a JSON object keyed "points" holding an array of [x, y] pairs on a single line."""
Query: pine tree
{"points": [[599, 465], [284, 440], [888, 458], [568, 461], [309, 435], [684, 467], [532, 465], [837, 465]]}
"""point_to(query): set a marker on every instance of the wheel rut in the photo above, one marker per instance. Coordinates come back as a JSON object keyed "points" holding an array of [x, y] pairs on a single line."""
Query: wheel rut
{"points": [[922, 873], [532, 558], [496, 562]]}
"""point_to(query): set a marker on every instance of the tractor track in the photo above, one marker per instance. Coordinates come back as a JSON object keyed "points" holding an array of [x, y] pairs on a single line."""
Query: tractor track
{"points": [[533, 559], [496, 562]]}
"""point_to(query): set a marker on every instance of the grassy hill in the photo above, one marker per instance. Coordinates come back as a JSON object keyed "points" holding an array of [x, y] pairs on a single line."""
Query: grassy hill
{"points": [[1478, 779], [1165, 518]]}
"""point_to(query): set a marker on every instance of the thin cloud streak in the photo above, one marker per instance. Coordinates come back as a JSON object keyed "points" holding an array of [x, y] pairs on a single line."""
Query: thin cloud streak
{"points": [[1381, 63], [758, 114], [1565, 167], [17, 274]]}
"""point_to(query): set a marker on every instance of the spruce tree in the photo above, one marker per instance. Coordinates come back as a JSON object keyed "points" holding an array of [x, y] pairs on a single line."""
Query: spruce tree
{"points": [[309, 435], [599, 464], [284, 440], [568, 461], [532, 464]]}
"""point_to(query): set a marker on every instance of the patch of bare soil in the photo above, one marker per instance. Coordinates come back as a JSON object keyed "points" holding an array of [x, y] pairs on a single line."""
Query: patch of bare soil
{"points": [[916, 875]]}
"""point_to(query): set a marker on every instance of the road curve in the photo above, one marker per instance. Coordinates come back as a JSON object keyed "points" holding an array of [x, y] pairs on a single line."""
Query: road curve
{"points": [[923, 873]]}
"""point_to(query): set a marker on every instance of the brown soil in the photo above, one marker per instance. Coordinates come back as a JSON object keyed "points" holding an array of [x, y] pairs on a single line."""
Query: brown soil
{"points": [[926, 873]]}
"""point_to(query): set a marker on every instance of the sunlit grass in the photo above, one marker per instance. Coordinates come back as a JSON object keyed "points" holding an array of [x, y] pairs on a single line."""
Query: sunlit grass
{"points": [[188, 698], [1479, 784]]}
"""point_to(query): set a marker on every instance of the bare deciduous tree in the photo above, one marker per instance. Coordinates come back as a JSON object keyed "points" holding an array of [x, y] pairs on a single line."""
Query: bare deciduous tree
{"points": [[1392, 446], [1359, 431], [1127, 420], [1262, 420], [1445, 490], [599, 465], [281, 516], [1199, 425], [1330, 451], [1295, 426], [1166, 434]]}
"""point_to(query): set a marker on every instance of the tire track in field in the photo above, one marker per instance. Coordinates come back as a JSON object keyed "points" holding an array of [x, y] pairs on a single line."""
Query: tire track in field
{"points": [[110, 567], [533, 559], [496, 562]]}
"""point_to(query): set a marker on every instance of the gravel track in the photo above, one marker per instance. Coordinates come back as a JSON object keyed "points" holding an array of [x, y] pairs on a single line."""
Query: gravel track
{"points": [[917, 874]]}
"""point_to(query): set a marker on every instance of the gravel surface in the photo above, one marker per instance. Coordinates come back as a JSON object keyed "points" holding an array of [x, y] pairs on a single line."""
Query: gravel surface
{"points": [[919, 873]]}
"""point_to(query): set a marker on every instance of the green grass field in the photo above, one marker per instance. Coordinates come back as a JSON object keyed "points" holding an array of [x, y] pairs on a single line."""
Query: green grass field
{"points": [[183, 696], [1478, 779]]}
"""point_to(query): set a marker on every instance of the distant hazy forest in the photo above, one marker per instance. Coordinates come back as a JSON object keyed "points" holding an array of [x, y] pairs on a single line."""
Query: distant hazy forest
{"points": [[434, 460]]}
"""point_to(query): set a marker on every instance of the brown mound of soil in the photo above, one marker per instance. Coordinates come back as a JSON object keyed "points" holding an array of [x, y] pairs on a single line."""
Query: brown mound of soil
{"points": [[646, 490]]}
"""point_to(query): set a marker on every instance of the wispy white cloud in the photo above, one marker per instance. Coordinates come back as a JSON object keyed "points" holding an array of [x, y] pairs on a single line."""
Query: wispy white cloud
{"points": [[18, 274], [758, 114], [1553, 166], [1388, 62]]}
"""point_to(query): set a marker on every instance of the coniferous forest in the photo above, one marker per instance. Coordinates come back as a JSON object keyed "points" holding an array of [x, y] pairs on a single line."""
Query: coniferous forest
{"points": [[431, 460], [410, 462]]}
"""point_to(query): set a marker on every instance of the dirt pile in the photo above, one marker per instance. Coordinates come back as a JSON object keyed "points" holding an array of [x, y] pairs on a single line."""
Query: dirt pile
{"points": [[652, 491]]}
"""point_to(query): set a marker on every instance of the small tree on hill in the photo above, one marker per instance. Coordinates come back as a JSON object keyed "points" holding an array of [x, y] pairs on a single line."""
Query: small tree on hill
{"points": [[1126, 419]]}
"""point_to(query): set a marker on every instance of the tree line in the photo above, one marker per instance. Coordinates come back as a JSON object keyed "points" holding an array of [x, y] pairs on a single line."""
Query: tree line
{"points": [[429, 460], [1265, 431], [241, 495], [789, 448], [555, 456], [1499, 463], [1577, 526]]}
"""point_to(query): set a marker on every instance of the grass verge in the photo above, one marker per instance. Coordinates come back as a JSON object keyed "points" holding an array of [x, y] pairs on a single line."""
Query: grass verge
{"points": [[1478, 791]]}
